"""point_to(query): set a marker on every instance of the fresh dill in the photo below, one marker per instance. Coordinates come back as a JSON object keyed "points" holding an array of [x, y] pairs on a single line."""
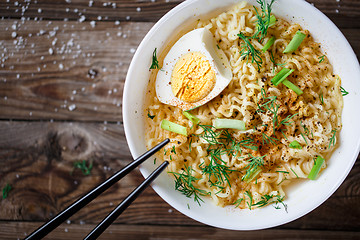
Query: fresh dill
{"points": [[238, 202], [321, 58], [333, 138], [247, 193], [268, 139], [321, 97], [6, 190], [221, 143], [263, 19], [269, 199], [173, 150], [184, 184], [155, 62], [294, 172], [85, 168], [343, 91], [216, 169], [263, 22], [150, 116], [286, 172], [247, 50]]}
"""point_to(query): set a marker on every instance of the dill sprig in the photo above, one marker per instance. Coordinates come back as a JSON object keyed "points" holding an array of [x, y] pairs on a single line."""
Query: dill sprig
{"points": [[216, 169], [85, 169], [248, 50], [343, 91], [221, 143], [263, 19], [269, 199], [321, 58], [6, 190], [155, 62], [247, 193], [238, 202], [333, 138], [184, 184]]}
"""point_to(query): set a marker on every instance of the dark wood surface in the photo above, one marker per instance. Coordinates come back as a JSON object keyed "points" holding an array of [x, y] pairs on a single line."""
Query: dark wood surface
{"points": [[62, 71]]}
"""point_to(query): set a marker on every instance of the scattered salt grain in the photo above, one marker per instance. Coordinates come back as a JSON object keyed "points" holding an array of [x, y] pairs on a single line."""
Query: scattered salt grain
{"points": [[117, 22], [93, 23], [170, 210], [82, 18], [66, 230], [138, 9], [61, 66], [127, 18], [132, 50], [13, 34], [72, 107], [68, 221], [51, 51], [91, 2], [39, 10]]}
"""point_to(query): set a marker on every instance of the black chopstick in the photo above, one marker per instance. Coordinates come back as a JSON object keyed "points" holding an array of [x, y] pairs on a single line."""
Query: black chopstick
{"points": [[84, 200], [100, 228]]}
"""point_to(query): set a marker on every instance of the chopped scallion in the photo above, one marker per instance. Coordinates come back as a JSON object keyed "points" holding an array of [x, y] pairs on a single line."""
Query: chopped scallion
{"points": [[251, 175], [293, 87], [173, 127], [272, 21], [229, 123], [295, 144], [295, 42], [191, 117], [316, 168], [280, 76], [269, 43]]}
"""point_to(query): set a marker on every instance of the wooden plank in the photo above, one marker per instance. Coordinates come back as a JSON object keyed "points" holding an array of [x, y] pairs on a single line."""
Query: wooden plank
{"points": [[37, 158], [70, 70], [18, 230], [65, 71], [344, 13]]}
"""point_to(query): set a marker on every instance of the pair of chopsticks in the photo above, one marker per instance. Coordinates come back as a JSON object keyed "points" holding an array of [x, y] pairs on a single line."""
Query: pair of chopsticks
{"points": [[80, 203]]}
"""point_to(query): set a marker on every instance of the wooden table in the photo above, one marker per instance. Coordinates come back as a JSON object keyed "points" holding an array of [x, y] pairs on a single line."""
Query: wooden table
{"points": [[62, 71]]}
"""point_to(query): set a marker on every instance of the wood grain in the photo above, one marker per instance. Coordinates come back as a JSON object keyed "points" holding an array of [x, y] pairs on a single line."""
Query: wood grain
{"points": [[71, 71], [341, 12], [37, 159], [62, 71], [13, 230]]}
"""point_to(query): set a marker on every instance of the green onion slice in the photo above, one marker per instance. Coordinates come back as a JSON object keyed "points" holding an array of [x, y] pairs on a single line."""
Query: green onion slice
{"points": [[293, 87], [191, 117], [295, 144], [173, 127], [229, 123], [251, 175], [280, 76], [316, 168], [295, 42], [268, 44], [272, 21]]}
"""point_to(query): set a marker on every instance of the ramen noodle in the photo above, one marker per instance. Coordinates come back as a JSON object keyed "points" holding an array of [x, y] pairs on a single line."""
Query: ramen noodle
{"points": [[285, 132]]}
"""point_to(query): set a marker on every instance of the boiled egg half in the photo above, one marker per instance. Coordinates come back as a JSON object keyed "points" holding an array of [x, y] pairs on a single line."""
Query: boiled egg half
{"points": [[194, 71]]}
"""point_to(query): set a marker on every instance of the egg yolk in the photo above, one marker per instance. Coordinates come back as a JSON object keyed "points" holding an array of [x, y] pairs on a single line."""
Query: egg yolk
{"points": [[192, 78]]}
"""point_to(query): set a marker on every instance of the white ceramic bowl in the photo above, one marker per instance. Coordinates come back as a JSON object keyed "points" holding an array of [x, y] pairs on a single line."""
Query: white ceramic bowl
{"points": [[302, 198]]}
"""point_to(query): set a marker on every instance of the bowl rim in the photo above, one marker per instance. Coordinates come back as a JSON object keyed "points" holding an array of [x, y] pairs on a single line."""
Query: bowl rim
{"points": [[131, 140]]}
